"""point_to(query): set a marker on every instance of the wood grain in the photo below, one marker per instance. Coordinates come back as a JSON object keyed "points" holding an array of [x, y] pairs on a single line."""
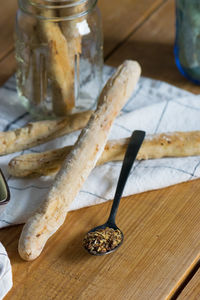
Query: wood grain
{"points": [[192, 290], [7, 24], [152, 45], [7, 21], [7, 67], [162, 242], [120, 18]]}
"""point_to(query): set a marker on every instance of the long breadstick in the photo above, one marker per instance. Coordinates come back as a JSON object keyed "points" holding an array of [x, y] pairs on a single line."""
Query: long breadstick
{"points": [[79, 163], [61, 70], [37, 133], [73, 37], [174, 144]]}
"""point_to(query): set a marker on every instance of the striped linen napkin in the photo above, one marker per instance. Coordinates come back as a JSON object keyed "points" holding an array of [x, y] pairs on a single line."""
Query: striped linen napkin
{"points": [[154, 107]]}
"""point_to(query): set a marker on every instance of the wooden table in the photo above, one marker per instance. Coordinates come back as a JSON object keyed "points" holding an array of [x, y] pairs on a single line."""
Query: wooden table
{"points": [[159, 259]]}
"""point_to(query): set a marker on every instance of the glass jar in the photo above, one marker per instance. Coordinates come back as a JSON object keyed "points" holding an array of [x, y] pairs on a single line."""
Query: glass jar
{"points": [[59, 56], [187, 43]]}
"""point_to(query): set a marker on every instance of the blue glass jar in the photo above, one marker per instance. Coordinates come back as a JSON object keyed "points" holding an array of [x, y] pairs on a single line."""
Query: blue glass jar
{"points": [[187, 43]]}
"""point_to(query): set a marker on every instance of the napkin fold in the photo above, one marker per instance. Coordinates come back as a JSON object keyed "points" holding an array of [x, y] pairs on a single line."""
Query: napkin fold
{"points": [[5, 273], [155, 107]]}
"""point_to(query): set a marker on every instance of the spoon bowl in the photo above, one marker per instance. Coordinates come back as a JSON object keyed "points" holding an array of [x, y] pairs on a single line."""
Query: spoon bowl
{"points": [[104, 226], [107, 238]]}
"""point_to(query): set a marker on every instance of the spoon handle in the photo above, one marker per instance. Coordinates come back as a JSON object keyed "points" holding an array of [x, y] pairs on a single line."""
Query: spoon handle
{"points": [[130, 155]]}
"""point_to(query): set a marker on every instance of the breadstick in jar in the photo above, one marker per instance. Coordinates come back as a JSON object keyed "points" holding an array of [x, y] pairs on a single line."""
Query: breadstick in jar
{"points": [[79, 163], [61, 71], [59, 65]]}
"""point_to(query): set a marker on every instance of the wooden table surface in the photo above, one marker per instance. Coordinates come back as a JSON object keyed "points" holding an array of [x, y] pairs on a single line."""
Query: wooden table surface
{"points": [[160, 256]]}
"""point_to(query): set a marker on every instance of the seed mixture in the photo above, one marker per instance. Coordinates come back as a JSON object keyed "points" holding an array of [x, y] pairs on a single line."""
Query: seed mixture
{"points": [[102, 240]]}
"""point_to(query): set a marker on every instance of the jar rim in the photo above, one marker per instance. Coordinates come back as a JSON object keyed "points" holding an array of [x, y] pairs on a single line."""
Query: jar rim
{"points": [[88, 6], [66, 4]]}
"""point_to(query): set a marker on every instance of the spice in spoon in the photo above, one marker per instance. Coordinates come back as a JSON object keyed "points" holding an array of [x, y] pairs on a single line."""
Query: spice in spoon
{"points": [[102, 240]]}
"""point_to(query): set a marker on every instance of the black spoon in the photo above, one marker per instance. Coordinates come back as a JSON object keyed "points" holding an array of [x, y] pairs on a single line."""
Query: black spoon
{"points": [[91, 237]]}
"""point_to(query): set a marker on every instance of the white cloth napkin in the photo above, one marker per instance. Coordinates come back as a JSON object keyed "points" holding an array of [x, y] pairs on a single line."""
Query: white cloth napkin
{"points": [[154, 107], [5, 273]]}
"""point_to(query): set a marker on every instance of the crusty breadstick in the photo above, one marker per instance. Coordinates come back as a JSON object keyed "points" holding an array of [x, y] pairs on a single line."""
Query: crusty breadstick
{"points": [[174, 144], [79, 163], [37, 133], [171, 144], [61, 70], [73, 38], [38, 164]]}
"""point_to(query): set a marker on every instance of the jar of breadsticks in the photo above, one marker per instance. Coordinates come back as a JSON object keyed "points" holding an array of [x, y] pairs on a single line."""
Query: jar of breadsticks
{"points": [[59, 56]]}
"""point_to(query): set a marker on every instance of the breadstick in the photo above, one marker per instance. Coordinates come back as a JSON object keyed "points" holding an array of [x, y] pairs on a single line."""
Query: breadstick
{"points": [[61, 71], [38, 164], [71, 32], [79, 163], [73, 37], [38, 133], [174, 144]]}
